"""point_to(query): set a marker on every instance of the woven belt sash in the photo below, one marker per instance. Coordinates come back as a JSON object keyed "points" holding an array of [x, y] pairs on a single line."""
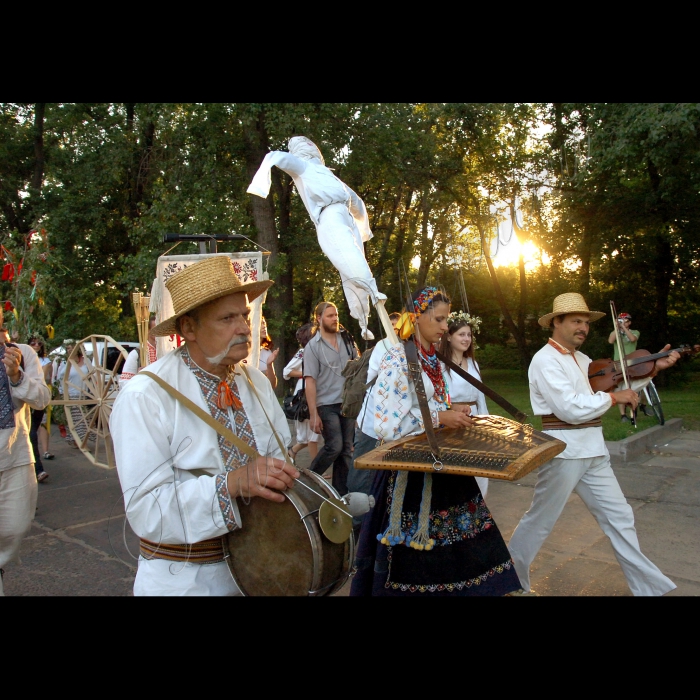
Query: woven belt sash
{"points": [[464, 403], [204, 552], [551, 422]]}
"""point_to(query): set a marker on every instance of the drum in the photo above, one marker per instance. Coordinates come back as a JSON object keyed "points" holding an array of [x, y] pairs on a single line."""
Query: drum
{"points": [[281, 549]]}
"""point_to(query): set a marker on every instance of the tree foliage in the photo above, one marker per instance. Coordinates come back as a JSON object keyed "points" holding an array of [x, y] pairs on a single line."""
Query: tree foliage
{"points": [[607, 192]]}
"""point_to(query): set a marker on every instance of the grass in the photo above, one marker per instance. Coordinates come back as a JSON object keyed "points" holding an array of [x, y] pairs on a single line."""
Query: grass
{"points": [[682, 401]]}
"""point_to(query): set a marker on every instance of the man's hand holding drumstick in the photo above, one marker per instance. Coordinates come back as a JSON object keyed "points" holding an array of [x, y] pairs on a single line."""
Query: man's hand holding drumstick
{"points": [[264, 477]]}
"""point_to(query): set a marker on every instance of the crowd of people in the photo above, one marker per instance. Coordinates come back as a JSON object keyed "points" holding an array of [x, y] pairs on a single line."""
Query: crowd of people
{"points": [[428, 534]]}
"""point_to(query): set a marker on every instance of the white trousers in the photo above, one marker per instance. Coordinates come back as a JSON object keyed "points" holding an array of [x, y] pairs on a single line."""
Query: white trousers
{"points": [[594, 481], [304, 433], [158, 577], [18, 493]]}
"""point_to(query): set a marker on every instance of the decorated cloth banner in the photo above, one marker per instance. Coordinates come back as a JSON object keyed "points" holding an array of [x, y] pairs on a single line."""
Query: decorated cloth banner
{"points": [[248, 267]]}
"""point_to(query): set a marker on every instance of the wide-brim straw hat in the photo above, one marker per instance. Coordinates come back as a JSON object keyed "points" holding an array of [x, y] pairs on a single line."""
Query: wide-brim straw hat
{"points": [[569, 303], [201, 283]]}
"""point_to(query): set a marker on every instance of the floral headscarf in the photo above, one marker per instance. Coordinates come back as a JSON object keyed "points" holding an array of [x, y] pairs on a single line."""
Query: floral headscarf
{"points": [[404, 326]]}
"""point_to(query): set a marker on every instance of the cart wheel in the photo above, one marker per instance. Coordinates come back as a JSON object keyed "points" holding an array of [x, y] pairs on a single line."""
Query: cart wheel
{"points": [[88, 410], [654, 402]]}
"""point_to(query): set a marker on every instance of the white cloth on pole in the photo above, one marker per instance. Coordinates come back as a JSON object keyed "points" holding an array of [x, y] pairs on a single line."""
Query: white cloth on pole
{"points": [[157, 444], [18, 494], [340, 217], [249, 268], [594, 481]]}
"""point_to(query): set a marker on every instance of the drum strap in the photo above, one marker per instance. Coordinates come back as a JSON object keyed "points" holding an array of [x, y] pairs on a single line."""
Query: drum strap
{"points": [[206, 417], [416, 374], [283, 450]]}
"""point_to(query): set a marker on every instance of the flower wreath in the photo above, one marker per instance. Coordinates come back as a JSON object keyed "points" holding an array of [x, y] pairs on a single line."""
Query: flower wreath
{"points": [[462, 317]]}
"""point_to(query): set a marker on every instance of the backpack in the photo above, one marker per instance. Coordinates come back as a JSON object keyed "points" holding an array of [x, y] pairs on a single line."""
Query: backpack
{"points": [[355, 385]]}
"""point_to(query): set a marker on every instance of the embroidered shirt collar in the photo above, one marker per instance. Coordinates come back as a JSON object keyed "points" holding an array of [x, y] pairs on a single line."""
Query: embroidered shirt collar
{"points": [[200, 373], [559, 347]]}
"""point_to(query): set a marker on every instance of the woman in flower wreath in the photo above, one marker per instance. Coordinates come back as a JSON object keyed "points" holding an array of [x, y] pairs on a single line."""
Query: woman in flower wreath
{"points": [[458, 345], [429, 534]]}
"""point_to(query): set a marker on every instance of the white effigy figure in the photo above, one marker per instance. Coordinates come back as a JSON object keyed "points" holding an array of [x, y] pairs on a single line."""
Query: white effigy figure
{"points": [[339, 215]]}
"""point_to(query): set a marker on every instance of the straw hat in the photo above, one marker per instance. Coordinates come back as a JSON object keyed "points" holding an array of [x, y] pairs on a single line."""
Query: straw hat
{"points": [[201, 283], [569, 303]]}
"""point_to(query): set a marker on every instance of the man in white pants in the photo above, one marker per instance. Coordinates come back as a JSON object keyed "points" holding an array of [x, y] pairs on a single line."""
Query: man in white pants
{"points": [[22, 387], [561, 393]]}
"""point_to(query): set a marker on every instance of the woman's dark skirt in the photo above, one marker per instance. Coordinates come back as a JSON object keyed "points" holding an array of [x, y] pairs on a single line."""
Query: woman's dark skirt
{"points": [[469, 556]]}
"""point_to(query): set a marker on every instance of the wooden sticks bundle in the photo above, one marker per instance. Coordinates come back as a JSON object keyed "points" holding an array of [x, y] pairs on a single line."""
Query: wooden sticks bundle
{"points": [[141, 304]]}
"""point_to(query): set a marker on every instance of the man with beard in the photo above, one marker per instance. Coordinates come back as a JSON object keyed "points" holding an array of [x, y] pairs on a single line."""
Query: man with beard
{"points": [[181, 477], [325, 357], [561, 393]]}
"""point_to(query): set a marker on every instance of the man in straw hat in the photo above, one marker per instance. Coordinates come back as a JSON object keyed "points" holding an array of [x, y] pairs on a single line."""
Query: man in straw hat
{"points": [[180, 478], [561, 393]]}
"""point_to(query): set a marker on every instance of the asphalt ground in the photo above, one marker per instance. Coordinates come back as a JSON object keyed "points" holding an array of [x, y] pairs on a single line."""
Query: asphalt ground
{"points": [[79, 545]]}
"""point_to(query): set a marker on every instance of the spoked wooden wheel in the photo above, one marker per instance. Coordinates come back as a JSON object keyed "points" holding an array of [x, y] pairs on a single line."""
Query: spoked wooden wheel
{"points": [[90, 386]]}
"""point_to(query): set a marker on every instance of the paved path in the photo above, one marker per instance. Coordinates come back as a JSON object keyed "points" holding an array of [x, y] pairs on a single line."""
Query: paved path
{"points": [[76, 543]]}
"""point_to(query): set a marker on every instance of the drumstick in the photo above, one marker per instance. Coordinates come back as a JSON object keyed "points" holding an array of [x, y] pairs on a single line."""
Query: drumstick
{"points": [[279, 441], [306, 486]]}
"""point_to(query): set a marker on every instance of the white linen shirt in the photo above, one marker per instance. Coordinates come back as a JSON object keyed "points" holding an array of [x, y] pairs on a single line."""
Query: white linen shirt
{"points": [[158, 442], [559, 385], [390, 411], [32, 392], [295, 363], [461, 391]]}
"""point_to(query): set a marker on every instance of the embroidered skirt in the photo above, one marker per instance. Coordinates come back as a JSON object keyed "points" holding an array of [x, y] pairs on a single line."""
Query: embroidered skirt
{"points": [[469, 556]]}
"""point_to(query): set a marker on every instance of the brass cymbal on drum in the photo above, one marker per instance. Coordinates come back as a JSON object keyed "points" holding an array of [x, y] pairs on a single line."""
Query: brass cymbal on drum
{"points": [[335, 525]]}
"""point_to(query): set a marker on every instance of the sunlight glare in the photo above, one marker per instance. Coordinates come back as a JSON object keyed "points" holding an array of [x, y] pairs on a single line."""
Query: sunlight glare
{"points": [[509, 255]]}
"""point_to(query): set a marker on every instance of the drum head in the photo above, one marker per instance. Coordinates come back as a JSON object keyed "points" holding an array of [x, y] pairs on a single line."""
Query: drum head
{"points": [[281, 550], [272, 554]]}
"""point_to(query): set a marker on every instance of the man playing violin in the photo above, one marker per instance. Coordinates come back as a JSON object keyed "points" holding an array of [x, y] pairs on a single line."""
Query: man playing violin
{"points": [[561, 393]]}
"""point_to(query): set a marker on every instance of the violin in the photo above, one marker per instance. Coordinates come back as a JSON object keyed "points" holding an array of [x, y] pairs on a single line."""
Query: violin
{"points": [[605, 375]]}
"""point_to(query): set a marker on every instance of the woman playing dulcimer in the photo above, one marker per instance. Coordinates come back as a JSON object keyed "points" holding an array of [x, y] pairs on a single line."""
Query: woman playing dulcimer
{"points": [[429, 534]]}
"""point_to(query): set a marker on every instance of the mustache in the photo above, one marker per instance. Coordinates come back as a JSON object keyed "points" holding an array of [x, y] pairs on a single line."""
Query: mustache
{"points": [[236, 340]]}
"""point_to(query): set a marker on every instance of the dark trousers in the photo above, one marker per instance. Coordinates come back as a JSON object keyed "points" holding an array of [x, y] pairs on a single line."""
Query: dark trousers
{"points": [[37, 417], [338, 433], [361, 479]]}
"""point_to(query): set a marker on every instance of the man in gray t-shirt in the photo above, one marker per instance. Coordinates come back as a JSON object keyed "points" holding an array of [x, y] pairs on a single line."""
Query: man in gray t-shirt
{"points": [[325, 356]]}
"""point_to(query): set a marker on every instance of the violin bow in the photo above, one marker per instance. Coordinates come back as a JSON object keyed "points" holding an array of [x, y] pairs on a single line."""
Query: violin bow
{"points": [[623, 359]]}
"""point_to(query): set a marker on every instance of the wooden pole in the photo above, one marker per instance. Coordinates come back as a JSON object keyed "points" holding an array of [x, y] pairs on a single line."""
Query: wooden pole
{"points": [[386, 322]]}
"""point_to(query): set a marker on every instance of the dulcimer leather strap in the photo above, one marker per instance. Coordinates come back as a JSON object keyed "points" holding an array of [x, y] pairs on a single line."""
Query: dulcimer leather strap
{"points": [[416, 374], [497, 398]]}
